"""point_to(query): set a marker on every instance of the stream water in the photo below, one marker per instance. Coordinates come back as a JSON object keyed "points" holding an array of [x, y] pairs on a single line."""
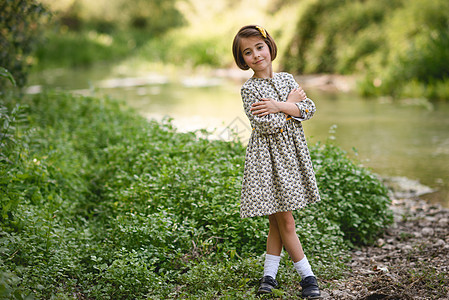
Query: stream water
{"points": [[394, 138]]}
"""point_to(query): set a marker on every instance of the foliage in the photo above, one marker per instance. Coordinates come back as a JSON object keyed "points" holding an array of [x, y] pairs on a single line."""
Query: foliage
{"points": [[84, 32], [354, 198], [20, 31], [392, 43], [98, 202], [6, 74], [84, 48], [154, 17]]}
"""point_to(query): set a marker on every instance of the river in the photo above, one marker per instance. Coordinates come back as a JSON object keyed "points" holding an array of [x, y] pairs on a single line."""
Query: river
{"points": [[408, 138]]}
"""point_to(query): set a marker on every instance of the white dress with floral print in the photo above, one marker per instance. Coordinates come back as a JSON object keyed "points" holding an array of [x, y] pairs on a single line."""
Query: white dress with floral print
{"points": [[278, 172]]}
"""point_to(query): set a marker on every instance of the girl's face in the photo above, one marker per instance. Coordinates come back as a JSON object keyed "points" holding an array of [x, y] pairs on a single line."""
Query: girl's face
{"points": [[256, 53]]}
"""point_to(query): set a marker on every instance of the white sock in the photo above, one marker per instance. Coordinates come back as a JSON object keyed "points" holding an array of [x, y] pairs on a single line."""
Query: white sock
{"points": [[271, 265], [303, 268]]}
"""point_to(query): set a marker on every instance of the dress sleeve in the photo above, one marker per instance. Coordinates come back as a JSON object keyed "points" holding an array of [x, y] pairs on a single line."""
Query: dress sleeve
{"points": [[306, 107], [268, 124]]}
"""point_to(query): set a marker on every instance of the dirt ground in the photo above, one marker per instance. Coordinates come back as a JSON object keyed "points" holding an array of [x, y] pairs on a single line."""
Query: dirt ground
{"points": [[410, 261]]}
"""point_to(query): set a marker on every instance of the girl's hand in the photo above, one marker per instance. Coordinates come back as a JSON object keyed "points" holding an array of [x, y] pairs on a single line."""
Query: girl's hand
{"points": [[296, 95], [265, 107]]}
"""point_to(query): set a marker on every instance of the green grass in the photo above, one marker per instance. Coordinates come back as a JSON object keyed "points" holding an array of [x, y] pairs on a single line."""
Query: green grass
{"points": [[97, 202]]}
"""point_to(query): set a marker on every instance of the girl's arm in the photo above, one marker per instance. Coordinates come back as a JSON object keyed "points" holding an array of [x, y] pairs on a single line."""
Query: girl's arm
{"points": [[268, 123], [270, 106], [306, 107]]}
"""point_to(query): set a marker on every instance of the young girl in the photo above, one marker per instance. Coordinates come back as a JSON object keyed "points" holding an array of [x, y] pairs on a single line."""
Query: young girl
{"points": [[278, 176]]}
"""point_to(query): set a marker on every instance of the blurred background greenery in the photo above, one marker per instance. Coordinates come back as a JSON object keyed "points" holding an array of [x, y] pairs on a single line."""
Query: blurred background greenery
{"points": [[397, 48]]}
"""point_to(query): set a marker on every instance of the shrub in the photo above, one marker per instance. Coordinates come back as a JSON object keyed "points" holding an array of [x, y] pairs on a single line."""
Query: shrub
{"points": [[20, 25], [354, 198], [100, 203]]}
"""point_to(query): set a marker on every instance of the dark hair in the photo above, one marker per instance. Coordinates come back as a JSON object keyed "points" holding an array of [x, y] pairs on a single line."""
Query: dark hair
{"points": [[246, 32]]}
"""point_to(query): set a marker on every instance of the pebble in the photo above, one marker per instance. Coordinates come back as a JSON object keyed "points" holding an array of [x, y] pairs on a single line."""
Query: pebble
{"points": [[388, 247], [407, 248], [417, 234], [440, 243], [443, 222], [427, 231], [430, 219], [380, 242]]}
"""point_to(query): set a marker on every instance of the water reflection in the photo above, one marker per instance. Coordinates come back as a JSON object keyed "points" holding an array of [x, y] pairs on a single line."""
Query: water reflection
{"points": [[405, 138]]}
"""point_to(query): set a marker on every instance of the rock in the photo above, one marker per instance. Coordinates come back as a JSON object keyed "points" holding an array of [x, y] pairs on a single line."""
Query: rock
{"points": [[425, 223], [430, 219], [407, 248], [342, 295], [443, 222], [439, 243], [388, 247], [427, 231], [380, 242]]}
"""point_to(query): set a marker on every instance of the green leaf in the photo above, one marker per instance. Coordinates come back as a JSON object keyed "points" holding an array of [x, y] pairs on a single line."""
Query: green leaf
{"points": [[6, 74]]}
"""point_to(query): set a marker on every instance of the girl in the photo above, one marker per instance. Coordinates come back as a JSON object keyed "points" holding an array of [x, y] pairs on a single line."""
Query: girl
{"points": [[278, 176]]}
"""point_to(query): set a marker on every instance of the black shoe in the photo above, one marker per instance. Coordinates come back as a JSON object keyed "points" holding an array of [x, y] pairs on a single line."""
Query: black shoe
{"points": [[267, 283], [310, 289]]}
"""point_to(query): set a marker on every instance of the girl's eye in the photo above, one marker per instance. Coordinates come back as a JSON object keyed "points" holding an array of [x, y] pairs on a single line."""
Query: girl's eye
{"points": [[247, 53], [260, 47]]}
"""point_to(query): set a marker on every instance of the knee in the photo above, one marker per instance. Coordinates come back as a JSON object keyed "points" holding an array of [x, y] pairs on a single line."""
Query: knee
{"points": [[286, 223]]}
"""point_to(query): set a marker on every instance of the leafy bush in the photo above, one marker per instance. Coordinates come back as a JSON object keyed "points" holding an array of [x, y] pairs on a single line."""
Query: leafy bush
{"points": [[20, 31], [354, 198], [98, 202]]}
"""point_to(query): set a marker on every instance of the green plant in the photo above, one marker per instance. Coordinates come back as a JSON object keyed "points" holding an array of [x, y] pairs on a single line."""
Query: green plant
{"points": [[20, 22], [354, 198], [101, 203], [6, 74]]}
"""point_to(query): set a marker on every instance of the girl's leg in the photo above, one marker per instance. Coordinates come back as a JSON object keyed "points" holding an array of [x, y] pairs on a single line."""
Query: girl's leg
{"points": [[287, 230], [274, 248], [285, 223], [272, 258], [274, 240]]}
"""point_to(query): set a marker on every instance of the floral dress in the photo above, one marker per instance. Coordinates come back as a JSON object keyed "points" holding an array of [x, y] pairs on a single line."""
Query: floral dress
{"points": [[278, 173]]}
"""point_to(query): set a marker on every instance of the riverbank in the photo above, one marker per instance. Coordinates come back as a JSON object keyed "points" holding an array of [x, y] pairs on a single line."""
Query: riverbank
{"points": [[410, 261]]}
